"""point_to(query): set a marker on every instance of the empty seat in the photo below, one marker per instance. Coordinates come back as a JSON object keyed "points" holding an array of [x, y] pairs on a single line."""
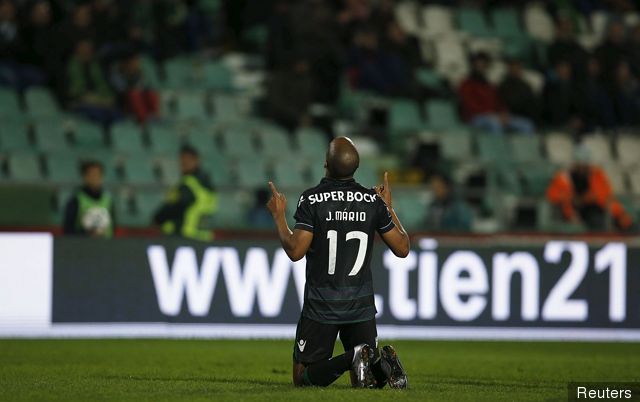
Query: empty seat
{"points": [[62, 168], [288, 176], [88, 135], [406, 15], [169, 170], [217, 77], [472, 21], [536, 179], [234, 213], [226, 107], [146, 203], [9, 104], [179, 73], [274, 141], [451, 59], [526, 148], [41, 103], [442, 115], [634, 181], [311, 141], [616, 177], [538, 22], [506, 23], [24, 167], [150, 72], [599, 147], [14, 136], [51, 136], [238, 142], [628, 150], [404, 117], [456, 145], [438, 21], [218, 168], [413, 207], [493, 148], [559, 147], [164, 139], [251, 173], [139, 171], [367, 175], [127, 138], [192, 105]]}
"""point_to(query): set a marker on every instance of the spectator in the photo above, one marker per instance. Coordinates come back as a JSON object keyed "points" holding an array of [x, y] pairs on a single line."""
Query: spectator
{"points": [[447, 212], [39, 47], [258, 216], [11, 72], [289, 95], [191, 203], [516, 93], [634, 50], [78, 29], [89, 212], [626, 96], [563, 101], [584, 196], [88, 90], [565, 47], [481, 105], [136, 96], [404, 46], [613, 50]]}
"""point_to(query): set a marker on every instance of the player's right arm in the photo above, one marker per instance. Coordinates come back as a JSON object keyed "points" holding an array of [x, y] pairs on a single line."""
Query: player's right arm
{"points": [[397, 238], [295, 243]]}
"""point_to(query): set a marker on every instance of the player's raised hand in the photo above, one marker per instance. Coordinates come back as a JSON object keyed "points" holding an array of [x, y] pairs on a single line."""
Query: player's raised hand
{"points": [[278, 202], [384, 191]]}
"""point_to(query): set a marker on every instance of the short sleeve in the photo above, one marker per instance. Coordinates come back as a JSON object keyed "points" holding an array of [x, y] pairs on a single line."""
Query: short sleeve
{"points": [[384, 221], [303, 215]]}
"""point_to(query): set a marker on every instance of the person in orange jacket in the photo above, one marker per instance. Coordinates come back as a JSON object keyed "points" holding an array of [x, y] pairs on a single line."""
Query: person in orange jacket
{"points": [[584, 195]]}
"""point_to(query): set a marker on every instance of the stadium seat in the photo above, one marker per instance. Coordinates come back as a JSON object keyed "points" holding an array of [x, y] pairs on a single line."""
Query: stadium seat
{"points": [[274, 141], [506, 23], [536, 179], [559, 147], [252, 173], [288, 176], [164, 139], [41, 103], [538, 22], [217, 77], [428, 78], [9, 104], [150, 72], [169, 170], [404, 117], [87, 135], [599, 147], [218, 168], [451, 59], [406, 14], [456, 145], [127, 138], [24, 167], [191, 105], [442, 115], [14, 136], [227, 107], [437, 21], [139, 171], [367, 175], [634, 181], [628, 150], [234, 213], [413, 207], [62, 168], [146, 204], [525, 148], [472, 21], [616, 177], [51, 136], [238, 142], [203, 141], [493, 148], [179, 73], [312, 142]]}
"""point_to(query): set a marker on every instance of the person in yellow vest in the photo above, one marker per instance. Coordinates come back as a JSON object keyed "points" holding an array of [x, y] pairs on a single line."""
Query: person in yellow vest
{"points": [[191, 203], [89, 212]]}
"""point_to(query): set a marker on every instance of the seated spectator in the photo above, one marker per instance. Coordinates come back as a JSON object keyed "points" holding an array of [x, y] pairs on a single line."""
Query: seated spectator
{"points": [[39, 48], [598, 104], [407, 47], [481, 105], [583, 195], [565, 47], [447, 212], [89, 212], [289, 94], [79, 27], [516, 93], [563, 100], [613, 50], [88, 90], [258, 216], [633, 49], [626, 96], [136, 96]]}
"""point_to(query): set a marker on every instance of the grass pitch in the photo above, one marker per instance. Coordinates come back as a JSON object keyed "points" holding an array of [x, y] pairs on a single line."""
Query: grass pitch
{"points": [[193, 370]]}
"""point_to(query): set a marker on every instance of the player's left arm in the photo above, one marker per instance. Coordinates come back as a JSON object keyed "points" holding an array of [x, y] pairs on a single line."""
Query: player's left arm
{"points": [[397, 239], [295, 243]]}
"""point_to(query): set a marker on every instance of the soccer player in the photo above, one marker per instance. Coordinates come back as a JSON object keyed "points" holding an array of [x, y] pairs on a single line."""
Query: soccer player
{"points": [[335, 225]]}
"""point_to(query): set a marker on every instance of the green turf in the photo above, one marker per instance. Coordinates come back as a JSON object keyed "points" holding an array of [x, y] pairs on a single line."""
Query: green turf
{"points": [[157, 370]]}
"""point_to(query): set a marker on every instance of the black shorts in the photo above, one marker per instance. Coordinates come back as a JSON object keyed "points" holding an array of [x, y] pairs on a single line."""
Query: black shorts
{"points": [[315, 340]]}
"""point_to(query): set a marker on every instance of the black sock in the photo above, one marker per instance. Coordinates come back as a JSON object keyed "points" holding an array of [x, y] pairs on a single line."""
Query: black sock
{"points": [[325, 372], [378, 373]]}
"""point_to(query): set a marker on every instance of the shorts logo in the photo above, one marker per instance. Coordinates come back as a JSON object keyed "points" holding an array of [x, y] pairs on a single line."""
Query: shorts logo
{"points": [[301, 345]]}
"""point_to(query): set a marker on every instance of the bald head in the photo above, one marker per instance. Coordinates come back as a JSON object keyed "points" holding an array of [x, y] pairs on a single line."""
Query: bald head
{"points": [[342, 158]]}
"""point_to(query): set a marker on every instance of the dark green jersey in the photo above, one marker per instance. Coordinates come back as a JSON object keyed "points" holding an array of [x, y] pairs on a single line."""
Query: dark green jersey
{"points": [[343, 217]]}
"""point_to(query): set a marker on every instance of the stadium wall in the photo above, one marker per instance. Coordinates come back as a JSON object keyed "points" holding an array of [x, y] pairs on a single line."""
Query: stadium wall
{"points": [[472, 289]]}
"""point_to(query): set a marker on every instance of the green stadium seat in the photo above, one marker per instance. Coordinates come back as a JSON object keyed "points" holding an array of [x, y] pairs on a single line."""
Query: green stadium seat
{"points": [[218, 77], [179, 73], [127, 138], [150, 72], [367, 175], [238, 143], [210, 6], [24, 167], [456, 145], [559, 147], [404, 117], [14, 136], [62, 168], [9, 104], [41, 103], [288, 176], [203, 141], [428, 78], [536, 179], [316, 172], [88, 135], [217, 166], [164, 139], [274, 140], [493, 148], [146, 204], [227, 108], [526, 148], [191, 105], [51, 136], [139, 171], [506, 23], [170, 170], [312, 142], [252, 173], [124, 209], [472, 21], [234, 212], [412, 207], [442, 115], [502, 176]]}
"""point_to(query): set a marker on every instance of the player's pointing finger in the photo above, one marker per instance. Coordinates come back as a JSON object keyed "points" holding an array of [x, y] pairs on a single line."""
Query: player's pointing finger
{"points": [[273, 189], [386, 180]]}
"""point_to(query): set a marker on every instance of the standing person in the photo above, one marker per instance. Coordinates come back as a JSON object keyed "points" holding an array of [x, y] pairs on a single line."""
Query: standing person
{"points": [[190, 203], [335, 225], [89, 212]]}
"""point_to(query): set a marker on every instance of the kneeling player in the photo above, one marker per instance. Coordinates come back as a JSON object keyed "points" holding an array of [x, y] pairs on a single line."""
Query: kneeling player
{"points": [[335, 225]]}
